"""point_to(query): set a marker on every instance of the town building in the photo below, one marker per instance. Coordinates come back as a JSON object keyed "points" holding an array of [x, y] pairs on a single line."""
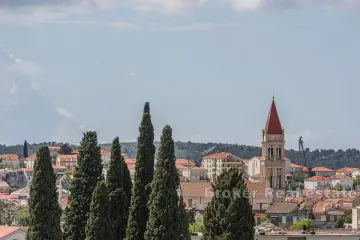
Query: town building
{"points": [[216, 163], [323, 171], [196, 195], [67, 160], [283, 214], [316, 183], [30, 161], [343, 180], [9, 161]]}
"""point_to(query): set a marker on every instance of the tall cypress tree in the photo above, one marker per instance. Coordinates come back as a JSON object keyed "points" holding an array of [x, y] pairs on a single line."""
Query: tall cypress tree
{"points": [[127, 183], [87, 174], [144, 169], [229, 214], [164, 201], [183, 221], [44, 220], [98, 225], [25, 150], [118, 200]]}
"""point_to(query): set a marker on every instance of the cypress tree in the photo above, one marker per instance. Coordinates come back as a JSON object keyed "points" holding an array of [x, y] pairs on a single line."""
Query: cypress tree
{"points": [[44, 221], [25, 150], [87, 174], [144, 169], [163, 220], [183, 222], [98, 225], [127, 183], [229, 214], [118, 200]]}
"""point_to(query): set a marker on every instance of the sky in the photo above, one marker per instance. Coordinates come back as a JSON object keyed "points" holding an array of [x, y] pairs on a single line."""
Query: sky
{"points": [[209, 68]]}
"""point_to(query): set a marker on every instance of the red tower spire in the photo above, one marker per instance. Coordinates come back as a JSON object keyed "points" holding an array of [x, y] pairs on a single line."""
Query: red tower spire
{"points": [[273, 125]]}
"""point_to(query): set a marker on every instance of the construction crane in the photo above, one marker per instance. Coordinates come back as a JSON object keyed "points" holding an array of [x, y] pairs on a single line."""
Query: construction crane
{"points": [[302, 151]]}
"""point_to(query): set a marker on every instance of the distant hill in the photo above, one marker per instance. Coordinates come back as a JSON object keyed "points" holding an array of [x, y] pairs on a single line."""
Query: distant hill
{"points": [[195, 151]]}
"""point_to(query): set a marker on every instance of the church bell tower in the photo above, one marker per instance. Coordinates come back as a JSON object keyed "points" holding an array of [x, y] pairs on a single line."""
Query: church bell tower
{"points": [[273, 143]]}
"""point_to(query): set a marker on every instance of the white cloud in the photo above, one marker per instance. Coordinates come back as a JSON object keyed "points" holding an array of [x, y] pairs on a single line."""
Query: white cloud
{"points": [[36, 12], [122, 25], [64, 112], [25, 68], [168, 6], [14, 88], [200, 26], [254, 5]]}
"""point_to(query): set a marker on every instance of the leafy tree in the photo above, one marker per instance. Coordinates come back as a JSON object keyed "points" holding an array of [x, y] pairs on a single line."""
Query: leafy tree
{"points": [[65, 149], [127, 182], [98, 225], [7, 212], [300, 225], [25, 150], [44, 209], [197, 226], [338, 187], [356, 182], [87, 174], [346, 218], [144, 169], [22, 216], [118, 200], [229, 214], [298, 177], [164, 219]]}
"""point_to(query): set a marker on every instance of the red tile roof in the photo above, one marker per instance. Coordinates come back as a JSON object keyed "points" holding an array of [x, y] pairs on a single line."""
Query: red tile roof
{"points": [[66, 156], [322, 169], [105, 152], [317, 179], [282, 208], [6, 231], [219, 155], [340, 176], [195, 189], [9, 157], [184, 161], [346, 170], [273, 125], [31, 157]]}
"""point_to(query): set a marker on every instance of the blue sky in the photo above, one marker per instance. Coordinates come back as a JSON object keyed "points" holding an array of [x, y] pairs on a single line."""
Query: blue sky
{"points": [[208, 67]]}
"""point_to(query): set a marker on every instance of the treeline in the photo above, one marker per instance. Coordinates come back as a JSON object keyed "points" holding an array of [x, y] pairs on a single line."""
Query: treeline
{"points": [[327, 158], [112, 207]]}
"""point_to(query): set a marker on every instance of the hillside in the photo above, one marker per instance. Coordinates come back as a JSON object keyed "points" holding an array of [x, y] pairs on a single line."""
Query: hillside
{"points": [[329, 158]]}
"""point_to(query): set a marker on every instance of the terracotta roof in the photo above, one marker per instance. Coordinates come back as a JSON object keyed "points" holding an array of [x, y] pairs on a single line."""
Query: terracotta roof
{"points": [[323, 206], [282, 208], [322, 169], [184, 161], [317, 179], [66, 156], [64, 201], [273, 125], [219, 155], [340, 176], [105, 152], [31, 157], [346, 170], [9, 157], [6, 231], [195, 189]]}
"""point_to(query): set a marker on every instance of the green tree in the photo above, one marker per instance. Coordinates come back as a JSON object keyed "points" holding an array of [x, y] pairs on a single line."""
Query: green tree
{"points": [[229, 214], [197, 226], [25, 150], [183, 221], [127, 182], [118, 200], [144, 169], [303, 224], [65, 149], [164, 208], [98, 225], [338, 187], [44, 221], [87, 174], [22, 216], [356, 182], [346, 218], [7, 212]]}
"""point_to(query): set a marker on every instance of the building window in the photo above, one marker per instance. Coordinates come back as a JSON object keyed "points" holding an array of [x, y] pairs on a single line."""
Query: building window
{"points": [[295, 219], [283, 219], [332, 218]]}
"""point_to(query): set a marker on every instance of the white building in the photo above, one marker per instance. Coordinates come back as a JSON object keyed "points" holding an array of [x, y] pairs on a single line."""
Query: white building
{"points": [[316, 183], [218, 162], [9, 161], [342, 179]]}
